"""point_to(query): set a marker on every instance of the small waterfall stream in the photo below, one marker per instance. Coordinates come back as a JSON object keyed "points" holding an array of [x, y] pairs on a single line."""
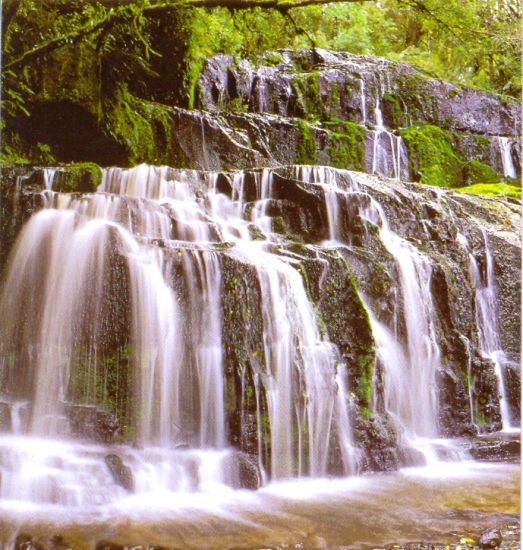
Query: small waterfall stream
{"points": [[487, 323], [389, 152], [505, 146]]}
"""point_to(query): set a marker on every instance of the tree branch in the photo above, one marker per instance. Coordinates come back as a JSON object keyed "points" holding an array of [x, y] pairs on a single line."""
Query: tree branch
{"points": [[66, 39], [243, 4], [114, 13]]}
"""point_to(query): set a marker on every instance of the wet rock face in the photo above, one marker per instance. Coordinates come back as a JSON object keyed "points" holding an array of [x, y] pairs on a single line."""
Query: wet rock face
{"points": [[6, 423], [442, 125], [496, 448], [347, 86], [490, 539], [19, 198]]}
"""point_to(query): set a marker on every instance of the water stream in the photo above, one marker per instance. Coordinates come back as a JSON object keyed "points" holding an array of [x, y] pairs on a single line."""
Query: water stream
{"points": [[505, 147]]}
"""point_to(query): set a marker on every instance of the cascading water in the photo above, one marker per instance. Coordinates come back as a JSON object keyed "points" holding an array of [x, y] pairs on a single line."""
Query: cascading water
{"points": [[389, 153], [505, 146], [127, 291], [487, 324], [410, 364], [163, 228]]}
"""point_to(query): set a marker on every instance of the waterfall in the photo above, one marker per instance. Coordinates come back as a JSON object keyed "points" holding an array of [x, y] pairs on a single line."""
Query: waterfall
{"points": [[389, 152], [505, 149], [125, 291], [487, 324], [411, 364], [49, 174], [363, 103], [163, 226]]}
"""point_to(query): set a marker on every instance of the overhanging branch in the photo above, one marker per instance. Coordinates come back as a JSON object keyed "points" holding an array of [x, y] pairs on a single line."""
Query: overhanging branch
{"points": [[113, 13]]}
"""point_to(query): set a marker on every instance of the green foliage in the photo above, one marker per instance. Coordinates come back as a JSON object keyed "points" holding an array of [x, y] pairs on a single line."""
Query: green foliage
{"points": [[492, 190], [9, 155], [136, 124], [131, 43]]}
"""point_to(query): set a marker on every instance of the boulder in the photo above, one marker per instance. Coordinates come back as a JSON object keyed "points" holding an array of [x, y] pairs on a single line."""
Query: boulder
{"points": [[490, 539], [122, 474]]}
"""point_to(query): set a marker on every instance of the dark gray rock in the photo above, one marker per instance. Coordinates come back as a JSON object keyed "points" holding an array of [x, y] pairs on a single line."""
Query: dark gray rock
{"points": [[335, 82], [6, 424], [496, 447], [121, 473], [249, 472]]}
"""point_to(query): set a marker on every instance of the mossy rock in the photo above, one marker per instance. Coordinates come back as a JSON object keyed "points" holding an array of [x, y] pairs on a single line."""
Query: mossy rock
{"points": [[271, 59], [479, 172], [308, 95], [347, 147], [307, 151], [393, 110], [432, 160], [84, 177]]}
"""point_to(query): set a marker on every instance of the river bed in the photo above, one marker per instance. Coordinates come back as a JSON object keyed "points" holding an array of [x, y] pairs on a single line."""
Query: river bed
{"points": [[440, 503]]}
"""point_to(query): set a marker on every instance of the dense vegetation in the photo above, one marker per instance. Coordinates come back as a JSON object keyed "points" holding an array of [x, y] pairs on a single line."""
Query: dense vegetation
{"points": [[104, 53]]}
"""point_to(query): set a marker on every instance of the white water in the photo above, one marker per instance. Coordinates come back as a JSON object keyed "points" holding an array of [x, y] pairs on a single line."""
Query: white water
{"points": [[54, 293], [166, 226], [410, 362], [487, 323], [389, 154], [363, 103], [505, 146]]}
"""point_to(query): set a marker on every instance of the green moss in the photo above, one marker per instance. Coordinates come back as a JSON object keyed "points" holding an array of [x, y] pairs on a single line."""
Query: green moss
{"points": [[432, 160], [271, 59], [236, 105], [307, 152], [456, 90], [347, 149], [194, 70], [492, 190], [83, 177], [308, 96], [478, 172], [322, 325], [480, 418], [104, 382], [393, 108], [365, 386], [366, 412]]}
